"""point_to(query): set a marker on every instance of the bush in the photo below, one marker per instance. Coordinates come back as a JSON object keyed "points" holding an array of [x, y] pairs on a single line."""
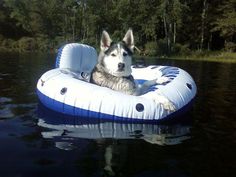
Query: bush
{"points": [[179, 49], [162, 49], [8, 44], [42, 43], [230, 47], [27, 44], [151, 48], [158, 48]]}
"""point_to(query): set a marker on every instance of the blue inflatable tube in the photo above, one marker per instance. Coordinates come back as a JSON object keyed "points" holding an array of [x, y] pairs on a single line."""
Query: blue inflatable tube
{"points": [[66, 89]]}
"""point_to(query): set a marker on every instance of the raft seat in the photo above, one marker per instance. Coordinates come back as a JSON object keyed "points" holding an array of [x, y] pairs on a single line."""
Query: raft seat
{"points": [[78, 59]]}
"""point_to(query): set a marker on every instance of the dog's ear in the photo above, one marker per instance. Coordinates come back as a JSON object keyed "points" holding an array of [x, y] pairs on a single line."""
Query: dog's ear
{"points": [[105, 41], [129, 39]]}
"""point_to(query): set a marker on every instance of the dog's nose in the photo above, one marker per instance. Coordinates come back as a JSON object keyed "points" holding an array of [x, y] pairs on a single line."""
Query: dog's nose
{"points": [[121, 66]]}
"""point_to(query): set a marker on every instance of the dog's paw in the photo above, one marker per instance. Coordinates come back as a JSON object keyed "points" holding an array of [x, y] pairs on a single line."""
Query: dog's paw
{"points": [[162, 80], [167, 104]]}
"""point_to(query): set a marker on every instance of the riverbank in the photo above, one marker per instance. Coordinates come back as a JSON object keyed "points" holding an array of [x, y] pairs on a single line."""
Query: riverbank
{"points": [[218, 56], [210, 56]]}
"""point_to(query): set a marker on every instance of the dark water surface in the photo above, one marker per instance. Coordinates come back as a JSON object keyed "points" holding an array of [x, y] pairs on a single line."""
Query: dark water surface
{"points": [[38, 143]]}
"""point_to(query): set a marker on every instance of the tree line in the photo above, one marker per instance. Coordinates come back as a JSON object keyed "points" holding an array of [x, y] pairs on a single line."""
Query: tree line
{"points": [[161, 27]]}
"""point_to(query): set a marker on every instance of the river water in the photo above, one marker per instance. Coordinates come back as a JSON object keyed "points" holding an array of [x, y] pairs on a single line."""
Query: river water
{"points": [[36, 142]]}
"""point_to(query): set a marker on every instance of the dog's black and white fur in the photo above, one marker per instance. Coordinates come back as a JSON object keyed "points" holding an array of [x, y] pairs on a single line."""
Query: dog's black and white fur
{"points": [[114, 69]]}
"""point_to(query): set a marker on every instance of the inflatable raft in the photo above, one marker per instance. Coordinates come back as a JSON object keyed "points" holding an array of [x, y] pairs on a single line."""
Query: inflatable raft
{"points": [[66, 89]]}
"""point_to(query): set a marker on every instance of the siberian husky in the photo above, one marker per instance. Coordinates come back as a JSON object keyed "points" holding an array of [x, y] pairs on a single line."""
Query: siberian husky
{"points": [[114, 69]]}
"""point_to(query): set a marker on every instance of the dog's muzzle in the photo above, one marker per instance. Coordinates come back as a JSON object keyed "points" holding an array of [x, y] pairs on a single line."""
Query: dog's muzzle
{"points": [[121, 66]]}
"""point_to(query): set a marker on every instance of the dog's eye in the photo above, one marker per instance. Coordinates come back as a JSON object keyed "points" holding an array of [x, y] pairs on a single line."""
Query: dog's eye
{"points": [[125, 54], [114, 55]]}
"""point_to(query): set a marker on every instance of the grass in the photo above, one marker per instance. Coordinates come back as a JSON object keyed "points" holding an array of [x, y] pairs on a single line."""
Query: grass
{"points": [[219, 56]]}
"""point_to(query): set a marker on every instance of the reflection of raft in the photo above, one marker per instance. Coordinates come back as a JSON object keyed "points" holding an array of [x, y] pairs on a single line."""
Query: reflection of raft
{"points": [[65, 90], [63, 128]]}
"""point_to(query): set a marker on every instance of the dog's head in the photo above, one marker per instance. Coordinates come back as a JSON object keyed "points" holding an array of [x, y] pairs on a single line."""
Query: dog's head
{"points": [[117, 57]]}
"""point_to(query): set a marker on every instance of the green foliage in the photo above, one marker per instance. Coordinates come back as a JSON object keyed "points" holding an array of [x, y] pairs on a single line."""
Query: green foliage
{"points": [[230, 47], [43, 43], [27, 44], [180, 49], [162, 47], [151, 48], [8, 45], [226, 22], [210, 56], [162, 27]]}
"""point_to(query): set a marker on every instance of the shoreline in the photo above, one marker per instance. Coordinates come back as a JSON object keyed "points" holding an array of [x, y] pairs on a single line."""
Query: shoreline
{"points": [[218, 56]]}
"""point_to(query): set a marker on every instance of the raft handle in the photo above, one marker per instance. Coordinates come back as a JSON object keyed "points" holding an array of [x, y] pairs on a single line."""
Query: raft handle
{"points": [[63, 90], [189, 86], [139, 107], [42, 82]]}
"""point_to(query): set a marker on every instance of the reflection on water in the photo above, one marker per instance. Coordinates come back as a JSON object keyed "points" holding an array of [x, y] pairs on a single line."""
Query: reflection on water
{"points": [[68, 127], [67, 131], [9, 110]]}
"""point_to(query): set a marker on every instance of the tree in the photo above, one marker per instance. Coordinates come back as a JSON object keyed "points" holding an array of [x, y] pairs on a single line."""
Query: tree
{"points": [[48, 17], [171, 12], [7, 24], [165, 24], [203, 22], [226, 23]]}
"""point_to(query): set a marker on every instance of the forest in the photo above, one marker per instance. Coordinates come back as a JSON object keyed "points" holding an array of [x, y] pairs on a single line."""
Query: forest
{"points": [[161, 27]]}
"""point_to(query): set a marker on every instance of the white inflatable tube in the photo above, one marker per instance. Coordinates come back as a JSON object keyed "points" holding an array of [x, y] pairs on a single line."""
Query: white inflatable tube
{"points": [[65, 89]]}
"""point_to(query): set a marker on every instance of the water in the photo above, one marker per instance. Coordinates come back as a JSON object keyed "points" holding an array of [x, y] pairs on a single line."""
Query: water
{"points": [[34, 144]]}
